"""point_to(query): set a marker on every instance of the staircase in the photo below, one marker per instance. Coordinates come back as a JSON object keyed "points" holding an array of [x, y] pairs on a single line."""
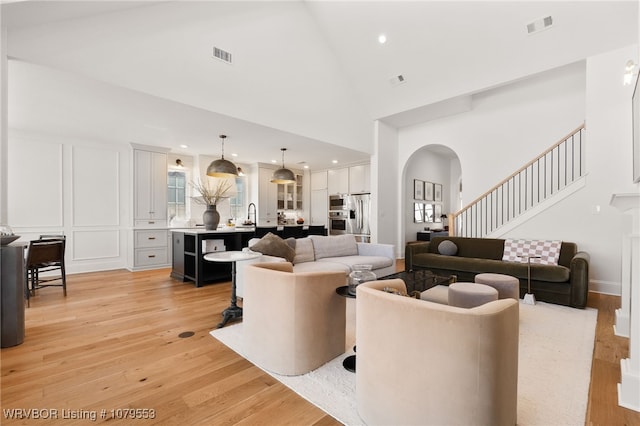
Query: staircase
{"points": [[553, 172]]}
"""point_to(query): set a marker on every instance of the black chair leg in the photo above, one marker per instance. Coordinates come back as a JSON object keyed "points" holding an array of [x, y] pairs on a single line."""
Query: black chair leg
{"points": [[64, 281]]}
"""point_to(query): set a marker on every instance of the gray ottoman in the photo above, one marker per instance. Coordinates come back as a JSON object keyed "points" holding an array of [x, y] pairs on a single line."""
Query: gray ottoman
{"points": [[470, 295], [507, 286], [437, 294]]}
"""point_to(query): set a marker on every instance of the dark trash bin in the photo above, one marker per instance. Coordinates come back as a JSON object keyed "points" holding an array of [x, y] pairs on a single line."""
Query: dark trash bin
{"points": [[12, 295]]}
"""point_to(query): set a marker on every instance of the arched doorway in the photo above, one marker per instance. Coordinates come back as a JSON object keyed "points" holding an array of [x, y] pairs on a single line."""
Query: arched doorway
{"points": [[433, 183]]}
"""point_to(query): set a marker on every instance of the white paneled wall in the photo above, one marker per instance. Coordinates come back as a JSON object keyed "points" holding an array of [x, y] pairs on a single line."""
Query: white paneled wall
{"points": [[79, 188], [34, 193], [95, 175], [85, 247]]}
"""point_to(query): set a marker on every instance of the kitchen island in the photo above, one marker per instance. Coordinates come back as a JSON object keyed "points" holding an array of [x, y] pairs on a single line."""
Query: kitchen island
{"points": [[190, 246]]}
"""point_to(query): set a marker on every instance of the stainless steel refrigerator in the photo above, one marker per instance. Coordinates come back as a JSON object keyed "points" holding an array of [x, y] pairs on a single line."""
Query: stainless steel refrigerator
{"points": [[358, 208]]}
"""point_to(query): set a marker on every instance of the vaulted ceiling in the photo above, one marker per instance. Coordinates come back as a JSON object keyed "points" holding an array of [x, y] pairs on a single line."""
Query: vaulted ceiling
{"points": [[307, 75]]}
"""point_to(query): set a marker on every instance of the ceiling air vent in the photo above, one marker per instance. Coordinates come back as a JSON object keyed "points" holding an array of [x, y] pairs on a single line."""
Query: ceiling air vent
{"points": [[223, 55], [539, 25]]}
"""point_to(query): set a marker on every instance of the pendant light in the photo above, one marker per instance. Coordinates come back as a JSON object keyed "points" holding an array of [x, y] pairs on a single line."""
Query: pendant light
{"points": [[283, 175], [222, 168]]}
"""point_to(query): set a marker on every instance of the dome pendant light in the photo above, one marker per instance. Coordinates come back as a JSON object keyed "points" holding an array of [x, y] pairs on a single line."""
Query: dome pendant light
{"points": [[222, 168], [283, 175]]}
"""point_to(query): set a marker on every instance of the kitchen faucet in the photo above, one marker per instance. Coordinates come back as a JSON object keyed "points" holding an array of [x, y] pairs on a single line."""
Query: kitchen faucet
{"points": [[249, 213]]}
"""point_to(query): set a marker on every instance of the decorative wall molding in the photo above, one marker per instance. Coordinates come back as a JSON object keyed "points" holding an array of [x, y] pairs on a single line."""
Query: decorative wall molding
{"points": [[36, 193], [95, 170], [96, 244]]}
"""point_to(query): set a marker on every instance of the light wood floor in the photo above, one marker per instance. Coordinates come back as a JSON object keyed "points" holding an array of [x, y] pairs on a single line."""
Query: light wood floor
{"points": [[114, 343]]}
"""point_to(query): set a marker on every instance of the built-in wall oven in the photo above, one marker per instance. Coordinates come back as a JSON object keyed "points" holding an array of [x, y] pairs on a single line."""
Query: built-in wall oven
{"points": [[338, 214], [338, 222]]}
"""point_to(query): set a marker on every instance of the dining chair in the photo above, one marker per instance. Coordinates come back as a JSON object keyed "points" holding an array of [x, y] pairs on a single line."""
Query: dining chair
{"points": [[46, 255]]}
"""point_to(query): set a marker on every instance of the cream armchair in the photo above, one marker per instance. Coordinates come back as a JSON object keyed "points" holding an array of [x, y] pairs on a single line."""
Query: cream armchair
{"points": [[292, 322], [422, 363]]}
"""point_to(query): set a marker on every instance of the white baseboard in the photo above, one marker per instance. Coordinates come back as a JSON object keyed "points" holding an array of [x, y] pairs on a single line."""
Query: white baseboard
{"points": [[605, 287]]}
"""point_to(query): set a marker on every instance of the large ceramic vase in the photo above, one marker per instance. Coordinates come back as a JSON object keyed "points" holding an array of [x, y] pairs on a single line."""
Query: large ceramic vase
{"points": [[211, 218]]}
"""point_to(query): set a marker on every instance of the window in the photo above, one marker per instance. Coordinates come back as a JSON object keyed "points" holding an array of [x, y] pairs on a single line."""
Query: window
{"points": [[176, 195], [237, 203]]}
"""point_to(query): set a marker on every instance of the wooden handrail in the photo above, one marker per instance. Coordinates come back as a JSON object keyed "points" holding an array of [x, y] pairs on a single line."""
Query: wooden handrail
{"points": [[464, 211], [520, 170]]}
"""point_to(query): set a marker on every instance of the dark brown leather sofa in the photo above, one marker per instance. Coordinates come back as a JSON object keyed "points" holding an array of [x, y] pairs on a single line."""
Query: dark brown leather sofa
{"points": [[565, 284]]}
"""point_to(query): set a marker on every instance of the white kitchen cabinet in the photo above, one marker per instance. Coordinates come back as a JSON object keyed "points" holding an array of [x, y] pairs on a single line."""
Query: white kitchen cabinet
{"points": [[290, 195], [299, 191], [360, 179], [319, 180], [338, 181], [151, 248], [150, 188], [267, 197], [319, 207]]}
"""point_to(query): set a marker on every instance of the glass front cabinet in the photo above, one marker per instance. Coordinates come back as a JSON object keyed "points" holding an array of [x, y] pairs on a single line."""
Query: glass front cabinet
{"points": [[290, 195]]}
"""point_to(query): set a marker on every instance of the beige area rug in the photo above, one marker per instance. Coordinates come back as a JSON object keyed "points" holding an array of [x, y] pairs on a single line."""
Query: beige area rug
{"points": [[556, 349]]}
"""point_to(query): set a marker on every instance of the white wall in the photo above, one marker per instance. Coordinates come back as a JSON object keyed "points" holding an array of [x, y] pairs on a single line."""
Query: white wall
{"points": [[79, 188], [4, 88], [386, 187], [511, 125], [503, 130], [587, 217]]}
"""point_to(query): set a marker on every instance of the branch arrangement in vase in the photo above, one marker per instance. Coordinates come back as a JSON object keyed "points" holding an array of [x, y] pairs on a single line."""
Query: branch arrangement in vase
{"points": [[210, 195]]}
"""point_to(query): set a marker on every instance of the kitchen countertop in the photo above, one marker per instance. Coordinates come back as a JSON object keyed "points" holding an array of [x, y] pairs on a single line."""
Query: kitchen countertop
{"points": [[225, 230]]}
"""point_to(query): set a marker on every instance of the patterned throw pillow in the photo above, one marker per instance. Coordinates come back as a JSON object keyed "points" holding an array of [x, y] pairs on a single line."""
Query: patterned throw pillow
{"points": [[544, 252]]}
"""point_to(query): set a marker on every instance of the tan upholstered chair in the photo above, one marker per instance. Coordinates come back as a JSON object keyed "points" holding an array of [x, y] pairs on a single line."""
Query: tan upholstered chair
{"points": [[422, 363], [292, 322]]}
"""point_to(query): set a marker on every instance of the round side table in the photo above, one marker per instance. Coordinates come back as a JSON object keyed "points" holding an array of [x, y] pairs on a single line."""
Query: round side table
{"points": [[233, 311]]}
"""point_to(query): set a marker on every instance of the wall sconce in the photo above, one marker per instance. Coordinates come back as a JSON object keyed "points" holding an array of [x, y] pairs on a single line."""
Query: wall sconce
{"points": [[179, 163], [628, 72]]}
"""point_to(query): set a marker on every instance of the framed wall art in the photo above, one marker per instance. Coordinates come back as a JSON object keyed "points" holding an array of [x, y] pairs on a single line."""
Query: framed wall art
{"points": [[428, 191], [418, 189], [437, 192]]}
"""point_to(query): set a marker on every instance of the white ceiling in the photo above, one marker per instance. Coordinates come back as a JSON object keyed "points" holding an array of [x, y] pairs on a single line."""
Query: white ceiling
{"points": [[309, 76]]}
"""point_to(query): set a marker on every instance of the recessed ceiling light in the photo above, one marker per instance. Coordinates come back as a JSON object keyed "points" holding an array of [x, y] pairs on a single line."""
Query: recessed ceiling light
{"points": [[334, 161], [382, 39], [306, 166], [234, 155], [183, 146], [274, 161]]}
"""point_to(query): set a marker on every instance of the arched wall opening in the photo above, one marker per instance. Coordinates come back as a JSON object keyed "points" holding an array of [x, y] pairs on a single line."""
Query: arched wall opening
{"points": [[432, 178]]}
